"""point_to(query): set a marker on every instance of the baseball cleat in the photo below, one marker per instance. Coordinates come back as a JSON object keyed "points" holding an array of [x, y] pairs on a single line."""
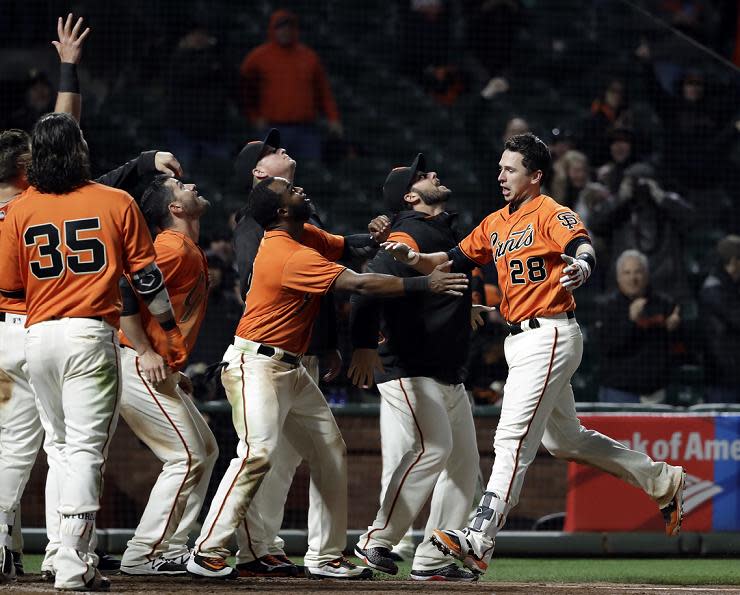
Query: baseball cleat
{"points": [[451, 573], [96, 583], [267, 566], [18, 563], [455, 543], [158, 567], [7, 567], [107, 563], [180, 557], [204, 567], [673, 513], [340, 568], [47, 576], [377, 558]]}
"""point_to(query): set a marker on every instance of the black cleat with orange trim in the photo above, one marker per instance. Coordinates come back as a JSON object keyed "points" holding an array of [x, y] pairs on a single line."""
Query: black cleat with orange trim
{"points": [[673, 513], [267, 566], [449, 573]]}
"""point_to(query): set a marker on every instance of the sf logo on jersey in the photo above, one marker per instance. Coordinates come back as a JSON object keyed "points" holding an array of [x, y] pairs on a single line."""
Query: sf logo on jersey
{"points": [[516, 241], [568, 219]]}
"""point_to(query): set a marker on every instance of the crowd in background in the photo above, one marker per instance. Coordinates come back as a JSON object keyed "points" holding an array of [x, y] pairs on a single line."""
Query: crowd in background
{"points": [[649, 165]]}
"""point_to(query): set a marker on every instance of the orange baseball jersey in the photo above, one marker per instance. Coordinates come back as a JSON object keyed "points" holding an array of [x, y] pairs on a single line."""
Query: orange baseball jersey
{"points": [[185, 270], [67, 252], [526, 246], [10, 305], [287, 279]]}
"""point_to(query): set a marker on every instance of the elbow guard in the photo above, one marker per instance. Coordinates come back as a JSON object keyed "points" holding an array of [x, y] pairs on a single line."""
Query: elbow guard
{"points": [[149, 284]]}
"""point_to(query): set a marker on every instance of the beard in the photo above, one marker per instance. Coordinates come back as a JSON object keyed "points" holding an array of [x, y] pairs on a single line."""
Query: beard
{"points": [[301, 212], [435, 197]]}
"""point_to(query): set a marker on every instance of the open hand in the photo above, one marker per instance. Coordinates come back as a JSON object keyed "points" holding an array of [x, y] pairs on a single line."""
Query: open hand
{"points": [[167, 164], [476, 315], [69, 46], [575, 274], [362, 367], [442, 281], [401, 252]]}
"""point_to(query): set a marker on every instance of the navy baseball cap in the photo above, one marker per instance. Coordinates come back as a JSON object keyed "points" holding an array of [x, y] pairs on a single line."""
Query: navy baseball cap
{"points": [[399, 181], [250, 155]]}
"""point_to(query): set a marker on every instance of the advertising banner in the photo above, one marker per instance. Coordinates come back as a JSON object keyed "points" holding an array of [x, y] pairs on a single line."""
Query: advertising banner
{"points": [[707, 446]]}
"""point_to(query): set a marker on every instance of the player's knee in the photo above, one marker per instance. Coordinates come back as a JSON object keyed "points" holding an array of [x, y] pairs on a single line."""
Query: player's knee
{"points": [[259, 460]]}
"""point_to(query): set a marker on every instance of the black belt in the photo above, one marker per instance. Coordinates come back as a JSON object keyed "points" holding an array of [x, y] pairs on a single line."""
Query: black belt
{"points": [[516, 328], [293, 360]]}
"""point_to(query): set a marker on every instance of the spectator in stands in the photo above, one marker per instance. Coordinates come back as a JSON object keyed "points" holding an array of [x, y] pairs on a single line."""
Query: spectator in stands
{"points": [[284, 85], [561, 141], [607, 111], [199, 89], [38, 100], [635, 327], [571, 175], [425, 32], [644, 216], [621, 156], [697, 124], [719, 301]]}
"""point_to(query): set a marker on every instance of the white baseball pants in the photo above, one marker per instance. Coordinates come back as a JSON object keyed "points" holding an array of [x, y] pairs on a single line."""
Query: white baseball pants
{"points": [[20, 429], [74, 368], [257, 535], [269, 398], [538, 407], [429, 445], [178, 436]]}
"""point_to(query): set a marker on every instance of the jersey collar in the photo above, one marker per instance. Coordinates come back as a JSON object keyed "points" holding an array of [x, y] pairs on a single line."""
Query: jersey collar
{"points": [[530, 207]]}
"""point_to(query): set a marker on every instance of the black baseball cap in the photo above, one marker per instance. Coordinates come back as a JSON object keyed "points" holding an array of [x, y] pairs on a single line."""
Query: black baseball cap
{"points": [[399, 181], [250, 154]]}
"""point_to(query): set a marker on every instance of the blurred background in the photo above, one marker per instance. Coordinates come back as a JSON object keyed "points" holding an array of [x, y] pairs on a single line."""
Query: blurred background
{"points": [[638, 100]]}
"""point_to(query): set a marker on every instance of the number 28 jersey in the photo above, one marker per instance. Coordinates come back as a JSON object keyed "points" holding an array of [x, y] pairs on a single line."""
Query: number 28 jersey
{"points": [[68, 251], [526, 246]]}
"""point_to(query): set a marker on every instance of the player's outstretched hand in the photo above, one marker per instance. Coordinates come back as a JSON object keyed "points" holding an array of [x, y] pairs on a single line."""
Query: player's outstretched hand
{"points": [[442, 281], [168, 164], [380, 228], [69, 46], [361, 368], [476, 315], [331, 361], [575, 273], [153, 366], [401, 252], [177, 352]]}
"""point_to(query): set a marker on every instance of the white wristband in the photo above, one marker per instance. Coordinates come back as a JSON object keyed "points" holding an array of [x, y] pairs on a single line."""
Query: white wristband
{"points": [[414, 257]]}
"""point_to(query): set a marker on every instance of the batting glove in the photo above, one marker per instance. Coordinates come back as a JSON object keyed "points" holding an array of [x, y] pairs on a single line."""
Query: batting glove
{"points": [[575, 273]]}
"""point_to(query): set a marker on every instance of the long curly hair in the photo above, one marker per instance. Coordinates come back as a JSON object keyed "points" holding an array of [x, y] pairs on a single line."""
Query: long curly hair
{"points": [[60, 162]]}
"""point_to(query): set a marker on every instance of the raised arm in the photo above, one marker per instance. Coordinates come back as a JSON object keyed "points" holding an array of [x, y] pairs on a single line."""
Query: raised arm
{"points": [[438, 281], [69, 48]]}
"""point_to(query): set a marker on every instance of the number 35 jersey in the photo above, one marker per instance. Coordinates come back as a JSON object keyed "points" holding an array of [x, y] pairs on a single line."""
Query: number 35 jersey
{"points": [[526, 246], [68, 251]]}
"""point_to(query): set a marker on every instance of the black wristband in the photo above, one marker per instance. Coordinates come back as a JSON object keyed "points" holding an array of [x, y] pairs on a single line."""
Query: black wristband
{"points": [[586, 257], [68, 81], [168, 325], [412, 284]]}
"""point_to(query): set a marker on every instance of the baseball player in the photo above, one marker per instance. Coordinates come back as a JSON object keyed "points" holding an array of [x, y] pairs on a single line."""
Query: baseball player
{"points": [[261, 550], [67, 237], [20, 422], [542, 252], [153, 405], [272, 394], [427, 431]]}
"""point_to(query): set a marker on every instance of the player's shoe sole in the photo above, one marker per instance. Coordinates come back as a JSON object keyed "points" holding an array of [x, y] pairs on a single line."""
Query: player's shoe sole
{"points": [[673, 513], [449, 573], [203, 567], [451, 544], [377, 558]]}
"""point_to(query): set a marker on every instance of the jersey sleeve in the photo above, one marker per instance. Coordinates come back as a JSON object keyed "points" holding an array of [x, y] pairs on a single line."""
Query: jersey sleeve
{"points": [[563, 226], [477, 244], [138, 251], [400, 236], [328, 245], [308, 271], [10, 241]]}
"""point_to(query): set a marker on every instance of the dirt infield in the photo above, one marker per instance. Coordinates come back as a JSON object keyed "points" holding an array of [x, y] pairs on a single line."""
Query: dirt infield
{"points": [[186, 586]]}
